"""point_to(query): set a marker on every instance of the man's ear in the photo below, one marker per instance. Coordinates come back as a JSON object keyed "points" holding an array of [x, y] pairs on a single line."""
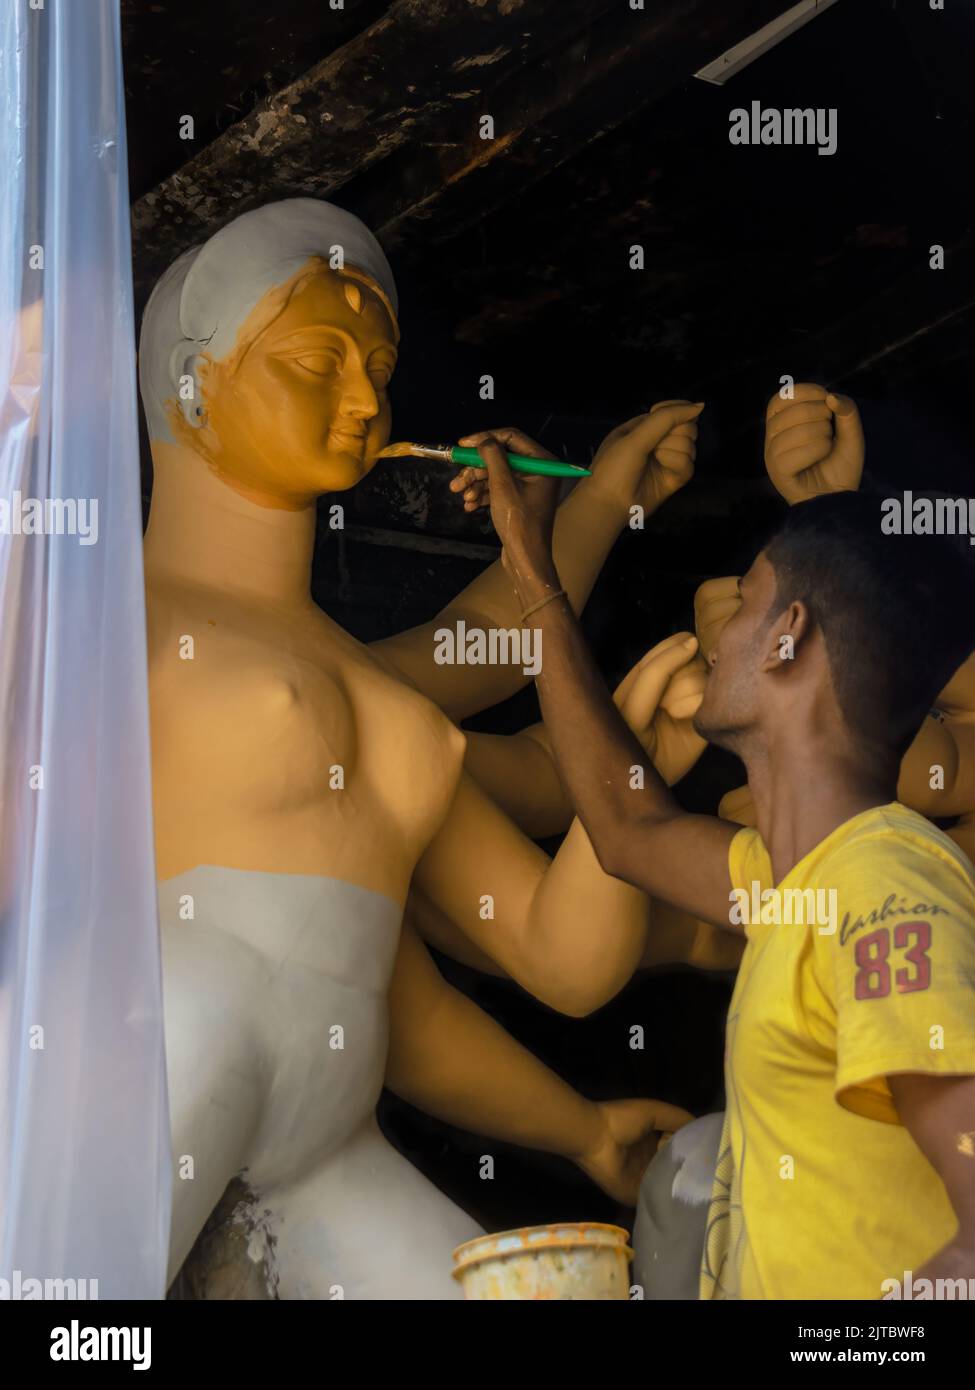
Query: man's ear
{"points": [[184, 370], [786, 636]]}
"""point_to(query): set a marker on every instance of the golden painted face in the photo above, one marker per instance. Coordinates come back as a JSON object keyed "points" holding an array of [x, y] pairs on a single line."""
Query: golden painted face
{"points": [[300, 406]]}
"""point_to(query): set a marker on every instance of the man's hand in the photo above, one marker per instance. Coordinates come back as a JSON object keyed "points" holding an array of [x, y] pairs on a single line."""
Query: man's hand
{"points": [[523, 507], [638, 834], [813, 443], [659, 698], [473, 482], [523, 511], [636, 465], [640, 463], [630, 1134]]}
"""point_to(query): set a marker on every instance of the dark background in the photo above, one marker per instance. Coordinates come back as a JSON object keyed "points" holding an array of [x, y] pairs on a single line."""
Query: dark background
{"points": [[512, 258]]}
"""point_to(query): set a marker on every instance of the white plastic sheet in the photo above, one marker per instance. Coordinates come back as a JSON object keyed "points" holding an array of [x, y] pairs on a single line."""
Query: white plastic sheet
{"points": [[84, 1146]]}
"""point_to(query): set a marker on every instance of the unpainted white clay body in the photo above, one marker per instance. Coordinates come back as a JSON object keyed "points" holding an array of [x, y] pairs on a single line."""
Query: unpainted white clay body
{"points": [[278, 1066]]}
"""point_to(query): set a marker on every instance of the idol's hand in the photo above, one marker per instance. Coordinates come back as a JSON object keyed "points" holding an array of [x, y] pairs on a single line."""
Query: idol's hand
{"points": [[738, 806], [813, 443], [630, 1134], [523, 512], [715, 602], [659, 698], [958, 697], [649, 458]]}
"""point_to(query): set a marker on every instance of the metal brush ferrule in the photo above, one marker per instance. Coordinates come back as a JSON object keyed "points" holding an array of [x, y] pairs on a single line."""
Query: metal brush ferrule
{"points": [[434, 451]]}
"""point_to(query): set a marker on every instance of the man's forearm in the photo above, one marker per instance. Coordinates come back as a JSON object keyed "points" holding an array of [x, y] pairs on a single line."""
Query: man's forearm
{"points": [[939, 1113], [586, 526], [595, 750]]}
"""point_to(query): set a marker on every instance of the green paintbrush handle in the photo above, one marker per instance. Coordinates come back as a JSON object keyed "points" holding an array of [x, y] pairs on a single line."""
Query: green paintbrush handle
{"points": [[547, 468]]}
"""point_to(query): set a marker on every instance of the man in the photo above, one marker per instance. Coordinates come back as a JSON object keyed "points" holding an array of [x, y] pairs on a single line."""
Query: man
{"points": [[847, 1158]]}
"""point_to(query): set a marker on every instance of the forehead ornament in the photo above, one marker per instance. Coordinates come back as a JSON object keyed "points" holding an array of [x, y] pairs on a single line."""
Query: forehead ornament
{"points": [[354, 296]]}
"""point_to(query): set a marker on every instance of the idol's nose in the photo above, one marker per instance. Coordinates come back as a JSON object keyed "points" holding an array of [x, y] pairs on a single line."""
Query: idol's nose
{"points": [[359, 398]]}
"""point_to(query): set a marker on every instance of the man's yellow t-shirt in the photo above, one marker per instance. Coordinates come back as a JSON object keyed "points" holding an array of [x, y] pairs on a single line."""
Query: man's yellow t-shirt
{"points": [[820, 1192]]}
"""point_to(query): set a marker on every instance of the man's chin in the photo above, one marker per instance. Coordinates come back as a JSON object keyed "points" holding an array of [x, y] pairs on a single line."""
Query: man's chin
{"points": [[701, 727], [708, 728]]}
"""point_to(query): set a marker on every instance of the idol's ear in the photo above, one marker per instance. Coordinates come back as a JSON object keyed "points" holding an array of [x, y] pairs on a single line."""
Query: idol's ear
{"points": [[184, 372]]}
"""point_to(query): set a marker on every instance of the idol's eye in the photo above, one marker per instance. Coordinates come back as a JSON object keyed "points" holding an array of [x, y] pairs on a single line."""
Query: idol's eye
{"points": [[320, 362], [381, 370]]}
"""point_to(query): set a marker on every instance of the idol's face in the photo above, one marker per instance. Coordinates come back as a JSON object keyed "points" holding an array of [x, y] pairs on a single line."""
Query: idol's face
{"points": [[303, 408], [732, 695]]}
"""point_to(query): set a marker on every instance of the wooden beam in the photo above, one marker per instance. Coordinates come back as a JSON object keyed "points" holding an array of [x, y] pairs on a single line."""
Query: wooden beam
{"points": [[216, 62], [397, 79], [544, 114]]}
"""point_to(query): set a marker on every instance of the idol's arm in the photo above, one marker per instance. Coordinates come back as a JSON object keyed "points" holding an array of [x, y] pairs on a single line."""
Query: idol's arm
{"points": [[450, 1059], [436, 929], [518, 772], [813, 443], [937, 778], [520, 775], [937, 775], [626, 474], [672, 937], [567, 932]]}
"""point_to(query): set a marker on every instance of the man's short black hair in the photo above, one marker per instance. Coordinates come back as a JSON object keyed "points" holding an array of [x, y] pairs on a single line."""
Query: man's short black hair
{"points": [[897, 612]]}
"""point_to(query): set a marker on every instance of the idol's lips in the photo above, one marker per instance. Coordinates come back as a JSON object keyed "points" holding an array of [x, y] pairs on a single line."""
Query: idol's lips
{"points": [[348, 439]]}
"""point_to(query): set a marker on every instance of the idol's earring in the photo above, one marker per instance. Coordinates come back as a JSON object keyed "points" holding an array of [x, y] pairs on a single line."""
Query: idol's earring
{"points": [[185, 372]]}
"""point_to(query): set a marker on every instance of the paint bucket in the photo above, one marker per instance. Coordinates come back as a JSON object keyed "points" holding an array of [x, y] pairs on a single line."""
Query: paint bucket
{"points": [[572, 1260]]}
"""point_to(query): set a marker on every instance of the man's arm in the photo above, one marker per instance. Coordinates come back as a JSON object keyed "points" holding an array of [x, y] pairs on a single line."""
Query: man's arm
{"points": [[452, 1060], [963, 834], [638, 830], [585, 533], [625, 473], [518, 771], [939, 1114]]}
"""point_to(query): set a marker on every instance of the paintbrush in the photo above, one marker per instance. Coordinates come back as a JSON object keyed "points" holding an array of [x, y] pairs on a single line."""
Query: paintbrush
{"points": [[470, 458]]}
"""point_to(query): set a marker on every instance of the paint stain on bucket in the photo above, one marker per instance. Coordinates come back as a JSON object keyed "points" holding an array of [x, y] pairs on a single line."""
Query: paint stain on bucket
{"points": [[570, 1260]]}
